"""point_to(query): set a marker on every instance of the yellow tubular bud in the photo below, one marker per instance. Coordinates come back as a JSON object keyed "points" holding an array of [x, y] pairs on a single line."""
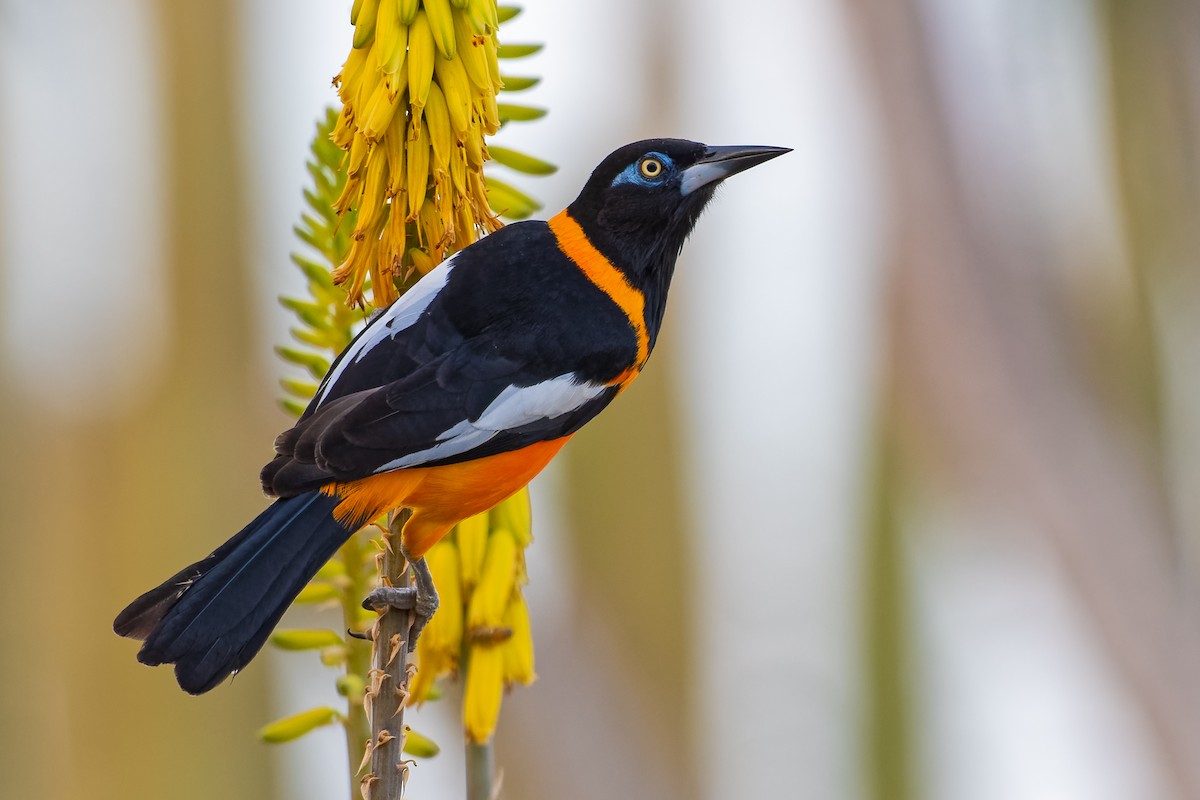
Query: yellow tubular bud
{"points": [[384, 291], [470, 50], [487, 112], [429, 227], [459, 4], [441, 24], [441, 139], [379, 113], [476, 22], [397, 232], [445, 208], [391, 38], [445, 629], [355, 7], [422, 263], [489, 50], [364, 23], [473, 143], [458, 173], [408, 10], [482, 14], [343, 130], [518, 650], [516, 515], [352, 72], [345, 270], [457, 88], [496, 581], [387, 265], [351, 194], [393, 147], [418, 168], [396, 84], [464, 226], [479, 199], [366, 90], [472, 535], [481, 695], [421, 52], [373, 197]]}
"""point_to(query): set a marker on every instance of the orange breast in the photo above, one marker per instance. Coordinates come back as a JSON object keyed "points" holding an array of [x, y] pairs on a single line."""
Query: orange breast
{"points": [[441, 497]]}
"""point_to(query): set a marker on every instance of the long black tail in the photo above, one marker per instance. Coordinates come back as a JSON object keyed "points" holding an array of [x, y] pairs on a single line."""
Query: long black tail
{"points": [[211, 618]]}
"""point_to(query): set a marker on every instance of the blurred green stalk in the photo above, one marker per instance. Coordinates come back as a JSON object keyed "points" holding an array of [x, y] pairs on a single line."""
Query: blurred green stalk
{"points": [[888, 752]]}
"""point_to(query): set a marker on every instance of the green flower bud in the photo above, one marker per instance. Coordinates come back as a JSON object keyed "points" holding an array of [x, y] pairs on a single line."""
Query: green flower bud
{"points": [[295, 726]]}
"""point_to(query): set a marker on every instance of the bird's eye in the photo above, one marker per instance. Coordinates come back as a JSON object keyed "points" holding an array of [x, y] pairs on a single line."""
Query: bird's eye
{"points": [[650, 167]]}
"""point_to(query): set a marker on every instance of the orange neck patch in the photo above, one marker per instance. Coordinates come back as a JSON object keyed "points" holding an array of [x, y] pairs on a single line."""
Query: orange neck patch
{"points": [[610, 280]]}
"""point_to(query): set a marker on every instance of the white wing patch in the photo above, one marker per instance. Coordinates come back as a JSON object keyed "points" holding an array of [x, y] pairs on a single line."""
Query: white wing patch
{"points": [[399, 315], [514, 407]]}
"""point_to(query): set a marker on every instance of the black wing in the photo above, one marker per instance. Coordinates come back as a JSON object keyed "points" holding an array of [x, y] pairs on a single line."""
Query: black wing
{"points": [[505, 345]]}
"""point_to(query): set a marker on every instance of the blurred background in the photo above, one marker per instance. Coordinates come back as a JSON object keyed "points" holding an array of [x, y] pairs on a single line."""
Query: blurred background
{"points": [[907, 506]]}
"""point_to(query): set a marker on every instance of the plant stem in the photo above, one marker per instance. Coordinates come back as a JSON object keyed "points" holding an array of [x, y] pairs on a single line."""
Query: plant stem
{"points": [[480, 770], [358, 658], [388, 683]]}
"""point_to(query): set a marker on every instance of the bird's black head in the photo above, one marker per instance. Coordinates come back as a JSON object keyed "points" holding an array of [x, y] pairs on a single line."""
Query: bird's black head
{"points": [[643, 200]]}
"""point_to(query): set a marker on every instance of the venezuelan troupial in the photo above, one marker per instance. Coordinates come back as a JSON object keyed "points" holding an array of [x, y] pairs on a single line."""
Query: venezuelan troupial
{"points": [[449, 400]]}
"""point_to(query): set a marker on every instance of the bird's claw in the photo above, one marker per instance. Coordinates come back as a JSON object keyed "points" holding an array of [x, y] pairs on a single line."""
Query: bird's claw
{"points": [[421, 599], [401, 598]]}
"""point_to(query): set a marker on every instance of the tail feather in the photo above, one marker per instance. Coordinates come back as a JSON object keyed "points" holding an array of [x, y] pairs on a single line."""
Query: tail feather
{"points": [[212, 617]]}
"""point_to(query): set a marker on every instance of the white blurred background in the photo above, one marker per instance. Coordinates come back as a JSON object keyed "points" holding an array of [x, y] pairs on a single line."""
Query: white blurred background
{"points": [[905, 506]]}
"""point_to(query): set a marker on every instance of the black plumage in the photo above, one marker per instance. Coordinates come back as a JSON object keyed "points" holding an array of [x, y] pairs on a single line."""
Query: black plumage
{"points": [[512, 343], [514, 311]]}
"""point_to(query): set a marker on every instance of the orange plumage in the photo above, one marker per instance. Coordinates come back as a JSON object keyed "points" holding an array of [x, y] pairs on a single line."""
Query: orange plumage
{"points": [[440, 497]]}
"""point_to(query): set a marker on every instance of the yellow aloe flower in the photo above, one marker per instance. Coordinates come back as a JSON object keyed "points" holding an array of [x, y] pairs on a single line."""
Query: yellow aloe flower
{"points": [[516, 515], [496, 582], [440, 644], [472, 535], [483, 690], [484, 577], [518, 650], [397, 186], [419, 95]]}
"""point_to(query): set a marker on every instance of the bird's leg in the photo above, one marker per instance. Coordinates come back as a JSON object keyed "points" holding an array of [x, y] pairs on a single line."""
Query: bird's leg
{"points": [[422, 599]]}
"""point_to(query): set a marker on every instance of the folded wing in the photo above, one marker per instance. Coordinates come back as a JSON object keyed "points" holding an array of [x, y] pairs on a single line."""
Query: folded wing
{"points": [[441, 377]]}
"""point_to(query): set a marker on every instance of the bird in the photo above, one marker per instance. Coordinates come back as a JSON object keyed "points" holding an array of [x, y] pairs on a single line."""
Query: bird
{"points": [[449, 400]]}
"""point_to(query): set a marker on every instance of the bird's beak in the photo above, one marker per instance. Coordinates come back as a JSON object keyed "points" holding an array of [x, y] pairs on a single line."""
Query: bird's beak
{"points": [[718, 163]]}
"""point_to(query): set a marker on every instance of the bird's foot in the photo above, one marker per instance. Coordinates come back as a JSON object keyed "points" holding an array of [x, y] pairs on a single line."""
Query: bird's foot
{"points": [[421, 599]]}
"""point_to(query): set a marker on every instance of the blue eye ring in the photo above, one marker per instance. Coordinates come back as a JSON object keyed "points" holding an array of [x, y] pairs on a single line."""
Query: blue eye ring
{"points": [[651, 168], [642, 172]]}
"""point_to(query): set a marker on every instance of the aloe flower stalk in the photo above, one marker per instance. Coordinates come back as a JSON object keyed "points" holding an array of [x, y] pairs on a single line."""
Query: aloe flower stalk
{"points": [[397, 185]]}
